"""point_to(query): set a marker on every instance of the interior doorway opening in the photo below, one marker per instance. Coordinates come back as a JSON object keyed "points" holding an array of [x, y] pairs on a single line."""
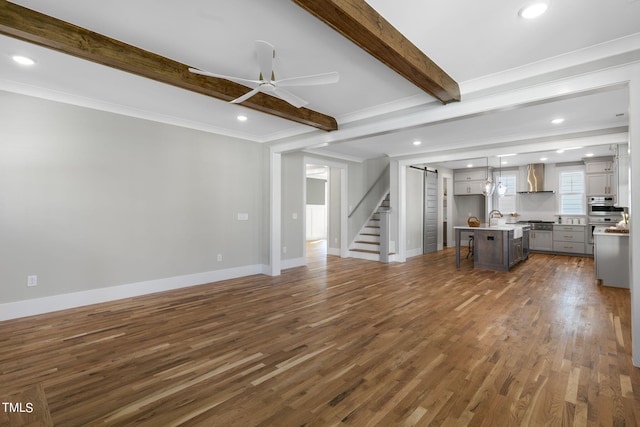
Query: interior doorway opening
{"points": [[316, 211]]}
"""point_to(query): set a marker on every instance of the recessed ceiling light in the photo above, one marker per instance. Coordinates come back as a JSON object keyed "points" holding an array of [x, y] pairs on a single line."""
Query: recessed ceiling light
{"points": [[507, 155], [533, 10], [557, 121], [23, 60], [504, 162], [242, 118], [560, 151], [589, 154], [543, 159], [469, 165], [416, 143]]}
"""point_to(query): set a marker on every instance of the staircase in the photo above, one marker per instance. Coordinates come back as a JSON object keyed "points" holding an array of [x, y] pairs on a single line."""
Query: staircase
{"points": [[366, 245]]}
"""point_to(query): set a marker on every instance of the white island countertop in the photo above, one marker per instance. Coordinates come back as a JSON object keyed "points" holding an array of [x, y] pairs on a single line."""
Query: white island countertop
{"points": [[486, 226], [601, 231], [517, 228]]}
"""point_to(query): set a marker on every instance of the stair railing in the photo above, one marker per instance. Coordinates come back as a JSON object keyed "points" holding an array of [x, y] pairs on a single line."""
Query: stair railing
{"points": [[368, 204]]}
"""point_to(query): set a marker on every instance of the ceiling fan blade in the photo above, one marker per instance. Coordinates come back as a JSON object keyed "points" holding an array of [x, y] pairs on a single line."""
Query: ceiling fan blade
{"points": [[287, 96], [246, 96], [317, 79], [238, 80], [266, 52]]}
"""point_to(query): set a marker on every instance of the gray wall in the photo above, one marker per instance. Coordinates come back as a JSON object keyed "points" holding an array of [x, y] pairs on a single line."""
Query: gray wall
{"points": [[469, 205], [90, 199]]}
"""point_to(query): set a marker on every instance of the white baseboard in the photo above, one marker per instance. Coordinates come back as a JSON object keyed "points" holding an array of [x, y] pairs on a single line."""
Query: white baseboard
{"points": [[294, 262], [414, 252], [31, 307], [333, 251]]}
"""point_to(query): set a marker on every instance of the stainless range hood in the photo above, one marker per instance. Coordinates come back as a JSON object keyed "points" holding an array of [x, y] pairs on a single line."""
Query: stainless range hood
{"points": [[535, 179]]}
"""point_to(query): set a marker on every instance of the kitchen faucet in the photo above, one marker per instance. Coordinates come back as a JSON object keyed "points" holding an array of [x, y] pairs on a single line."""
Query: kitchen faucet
{"points": [[494, 214]]}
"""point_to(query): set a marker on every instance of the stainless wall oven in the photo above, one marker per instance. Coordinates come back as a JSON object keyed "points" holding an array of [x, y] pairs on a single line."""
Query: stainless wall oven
{"points": [[602, 206]]}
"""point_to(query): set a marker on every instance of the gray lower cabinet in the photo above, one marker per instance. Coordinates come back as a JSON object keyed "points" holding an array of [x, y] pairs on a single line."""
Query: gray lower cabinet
{"points": [[612, 258], [569, 239], [541, 240], [491, 250], [499, 250]]}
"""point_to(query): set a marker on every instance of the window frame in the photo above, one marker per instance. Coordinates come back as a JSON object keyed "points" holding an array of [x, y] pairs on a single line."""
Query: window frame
{"points": [[560, 202], [512, 195]]}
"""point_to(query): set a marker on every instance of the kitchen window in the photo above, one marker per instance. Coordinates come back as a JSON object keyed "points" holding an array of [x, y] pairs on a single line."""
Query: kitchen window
{"points": [[507, 203], [571, 192]]}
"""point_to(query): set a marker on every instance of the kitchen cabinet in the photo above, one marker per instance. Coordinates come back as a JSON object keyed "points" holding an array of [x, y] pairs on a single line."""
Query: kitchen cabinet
{"points": [[569, 238], [600, 184], [600, 177], [469, 181], [463, 188], [541, 240], [599, 166]]}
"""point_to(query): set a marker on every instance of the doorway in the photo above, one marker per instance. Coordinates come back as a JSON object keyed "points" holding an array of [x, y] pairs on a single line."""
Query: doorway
{"points": [[316, 210]]}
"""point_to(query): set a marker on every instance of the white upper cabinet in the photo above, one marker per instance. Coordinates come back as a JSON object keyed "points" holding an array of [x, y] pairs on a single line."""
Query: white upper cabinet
{"points": [[470, 174], [601, 178], [469, 181], [600, 184], [601, 166]]}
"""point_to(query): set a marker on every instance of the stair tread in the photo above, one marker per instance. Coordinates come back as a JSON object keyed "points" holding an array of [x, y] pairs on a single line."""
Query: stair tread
{"points": [[366, 251], [369, 251], [367, 243], [369, 234]]}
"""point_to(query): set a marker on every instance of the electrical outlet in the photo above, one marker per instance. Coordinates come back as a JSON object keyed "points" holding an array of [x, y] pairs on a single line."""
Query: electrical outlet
{"points": [[32, 281], [219, 257], [294, 215]]}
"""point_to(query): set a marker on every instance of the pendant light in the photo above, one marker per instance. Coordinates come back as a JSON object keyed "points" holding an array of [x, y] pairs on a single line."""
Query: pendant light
{"points": [[502, 189], [488, 187]]}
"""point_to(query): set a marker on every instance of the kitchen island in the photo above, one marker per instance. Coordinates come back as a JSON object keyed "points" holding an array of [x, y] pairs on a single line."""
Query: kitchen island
{"points": [[497, 247]]}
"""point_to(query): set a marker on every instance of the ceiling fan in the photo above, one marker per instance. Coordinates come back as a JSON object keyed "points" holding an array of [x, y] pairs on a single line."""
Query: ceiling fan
{"points": [[267, 82]]}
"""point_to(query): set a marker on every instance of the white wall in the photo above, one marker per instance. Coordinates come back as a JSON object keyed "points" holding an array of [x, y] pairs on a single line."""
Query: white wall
{"points": [[334, 220], [90, 200], [415, 208], [634, 182], [293, 209]]}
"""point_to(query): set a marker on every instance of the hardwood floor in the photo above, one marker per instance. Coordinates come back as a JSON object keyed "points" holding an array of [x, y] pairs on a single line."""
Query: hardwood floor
{"points": [[342, 341]]}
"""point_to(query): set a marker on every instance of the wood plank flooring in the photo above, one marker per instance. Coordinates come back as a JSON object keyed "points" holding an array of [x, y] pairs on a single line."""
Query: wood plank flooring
{"points": [[342, 342]]}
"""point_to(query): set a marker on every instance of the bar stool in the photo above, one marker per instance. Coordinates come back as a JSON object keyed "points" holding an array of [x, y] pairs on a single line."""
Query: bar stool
{"points": [[470, 247]]}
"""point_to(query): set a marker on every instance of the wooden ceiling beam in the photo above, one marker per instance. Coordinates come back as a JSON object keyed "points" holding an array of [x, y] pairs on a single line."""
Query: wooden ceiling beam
{"points": [[34, 27], [361, 24]]}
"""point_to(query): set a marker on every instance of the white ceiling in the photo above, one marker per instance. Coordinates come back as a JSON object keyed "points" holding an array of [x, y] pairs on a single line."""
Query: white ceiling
{"points": [[470, 40]]}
